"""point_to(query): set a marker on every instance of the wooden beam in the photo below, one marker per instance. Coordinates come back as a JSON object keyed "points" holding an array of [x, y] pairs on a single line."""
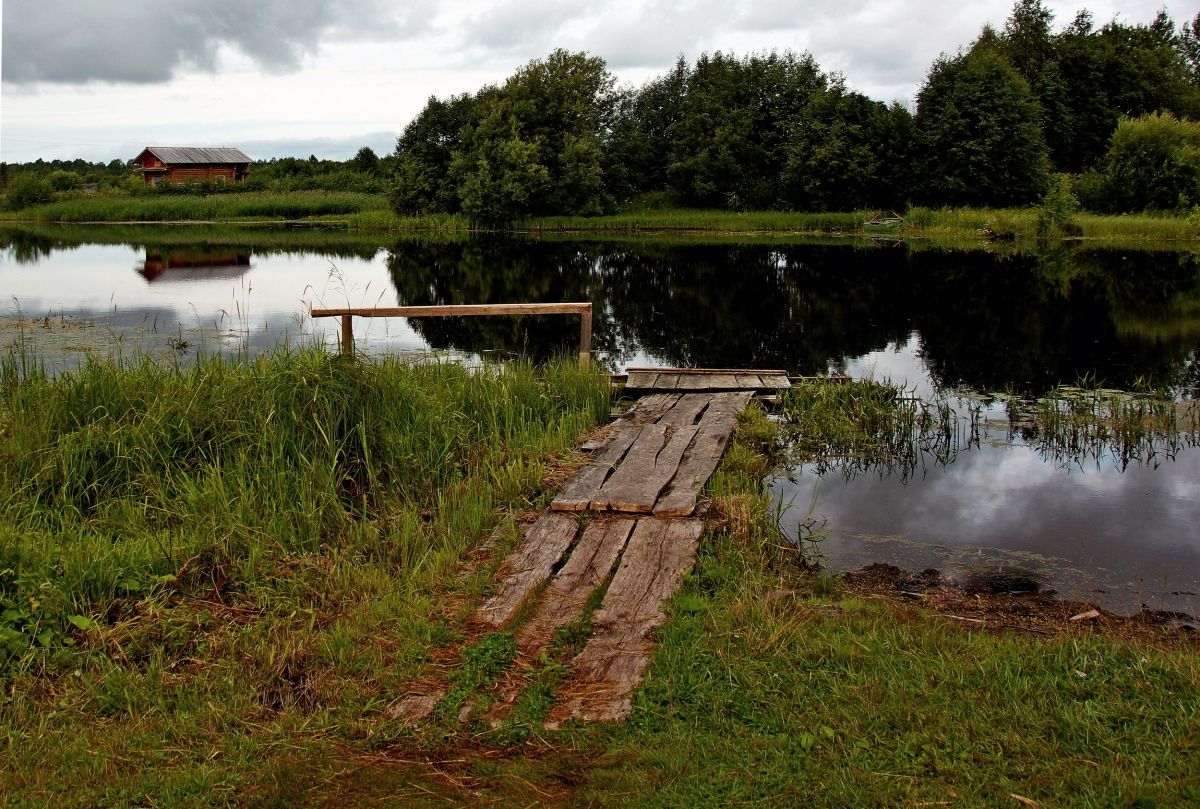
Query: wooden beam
{"points": [[584, 310], [704, 371], [459, 310]]}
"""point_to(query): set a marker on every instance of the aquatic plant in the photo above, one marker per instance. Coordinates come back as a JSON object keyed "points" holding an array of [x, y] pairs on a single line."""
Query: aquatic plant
{"points": [[1077, 425], [863, 425]]}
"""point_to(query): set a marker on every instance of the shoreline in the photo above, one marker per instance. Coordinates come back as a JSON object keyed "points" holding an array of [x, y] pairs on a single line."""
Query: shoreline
{"points": [[367, 214]]}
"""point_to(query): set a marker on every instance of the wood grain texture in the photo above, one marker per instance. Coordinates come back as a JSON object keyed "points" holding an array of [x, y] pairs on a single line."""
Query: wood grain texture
{"points": [[686, 411], [679, 497], [585, 484], [641, 380], [615, 659], [586, 569], [649, 465], [529, 566], [458, 310], [709, 370]]}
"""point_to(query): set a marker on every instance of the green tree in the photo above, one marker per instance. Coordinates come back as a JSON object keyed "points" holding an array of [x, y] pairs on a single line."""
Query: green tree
{"points": [[499, 177], [1153, 163], [425, 150], [365, 161], [61, 180], [979, 130]]}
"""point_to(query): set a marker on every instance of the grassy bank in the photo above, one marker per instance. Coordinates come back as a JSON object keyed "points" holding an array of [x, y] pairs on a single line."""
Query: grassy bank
{"points": [[946, 224], [242, 564], [372, 213], [252, 206]]}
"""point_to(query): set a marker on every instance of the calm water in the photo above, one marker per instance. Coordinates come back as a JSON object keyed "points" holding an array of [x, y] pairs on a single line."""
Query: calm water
{"points": [[933, 319]]}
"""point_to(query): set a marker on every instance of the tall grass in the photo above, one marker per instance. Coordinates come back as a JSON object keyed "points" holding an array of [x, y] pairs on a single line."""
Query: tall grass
{"points": [[120, 480], [172, 208], [1022, 224], [683, 219]]}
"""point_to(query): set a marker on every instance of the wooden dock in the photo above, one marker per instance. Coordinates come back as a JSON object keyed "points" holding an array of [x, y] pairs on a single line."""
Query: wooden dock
{"points": [[627, 518]]}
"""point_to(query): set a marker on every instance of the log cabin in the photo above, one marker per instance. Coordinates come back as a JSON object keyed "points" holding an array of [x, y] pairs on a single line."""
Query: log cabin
{"points": [[192, 164]]}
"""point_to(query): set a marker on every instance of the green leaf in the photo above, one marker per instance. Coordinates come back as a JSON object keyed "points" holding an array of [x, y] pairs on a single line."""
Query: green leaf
{"points": [[81, 622]]}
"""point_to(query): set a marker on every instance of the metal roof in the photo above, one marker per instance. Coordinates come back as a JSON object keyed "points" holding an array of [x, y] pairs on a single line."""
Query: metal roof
{"points": [[198, 154]]}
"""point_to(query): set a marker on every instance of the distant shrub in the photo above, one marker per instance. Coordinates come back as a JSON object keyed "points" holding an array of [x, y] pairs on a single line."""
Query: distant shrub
{"points": [[1057, 208], [27, 190], [64, 181]]}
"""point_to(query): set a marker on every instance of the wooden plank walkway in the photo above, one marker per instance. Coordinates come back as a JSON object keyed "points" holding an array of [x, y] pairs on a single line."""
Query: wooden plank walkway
{"points": [[632, 508]]}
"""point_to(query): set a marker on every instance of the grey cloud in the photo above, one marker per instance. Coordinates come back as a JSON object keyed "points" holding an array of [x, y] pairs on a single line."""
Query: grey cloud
{"points": [[509, 25], [382, 143], [142, 41]]}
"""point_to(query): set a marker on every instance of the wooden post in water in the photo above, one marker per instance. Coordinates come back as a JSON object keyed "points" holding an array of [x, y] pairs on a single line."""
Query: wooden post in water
{"points": [[348, 334], [585, 337]]}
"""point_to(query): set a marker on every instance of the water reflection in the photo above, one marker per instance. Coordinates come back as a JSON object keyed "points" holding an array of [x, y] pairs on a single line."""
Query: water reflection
{"points": [[1122, 538], [1024, 321], [184, 266], [934, 318]]}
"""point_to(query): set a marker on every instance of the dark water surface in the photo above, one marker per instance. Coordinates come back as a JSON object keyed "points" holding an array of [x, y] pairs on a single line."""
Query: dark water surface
{"points": [[935, 319]]}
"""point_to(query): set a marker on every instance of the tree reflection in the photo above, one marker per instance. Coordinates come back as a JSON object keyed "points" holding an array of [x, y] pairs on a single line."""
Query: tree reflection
{"points": [[1026, 321]]}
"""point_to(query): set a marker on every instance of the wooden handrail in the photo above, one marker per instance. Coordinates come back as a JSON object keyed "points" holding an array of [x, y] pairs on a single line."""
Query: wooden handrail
{"points": [[584, 310]]}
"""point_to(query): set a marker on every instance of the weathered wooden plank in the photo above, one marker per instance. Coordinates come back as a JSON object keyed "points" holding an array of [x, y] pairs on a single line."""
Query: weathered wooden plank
{"points": [[585, 484], [649, 408], [749, 380], [615, 660], [721, 381], [641, 379], [586, 569], [458, 310], [646, 469], [686, 412], [577, 494], [775, 381], [529, 566], [412, 709], [709, 370], [692, 382], [679, 497]]}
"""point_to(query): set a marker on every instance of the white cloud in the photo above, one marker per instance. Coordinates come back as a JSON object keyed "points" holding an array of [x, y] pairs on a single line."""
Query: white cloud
{"points": [[84, 79]]}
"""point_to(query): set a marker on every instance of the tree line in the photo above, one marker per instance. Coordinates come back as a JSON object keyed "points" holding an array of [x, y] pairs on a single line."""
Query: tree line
{"points": [[1102, 115], [39, 181]]}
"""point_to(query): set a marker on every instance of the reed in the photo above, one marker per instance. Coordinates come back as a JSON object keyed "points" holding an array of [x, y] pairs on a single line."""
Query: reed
{"points": [[1074, 426], [212, 207], [864, 425], [126, 481]]}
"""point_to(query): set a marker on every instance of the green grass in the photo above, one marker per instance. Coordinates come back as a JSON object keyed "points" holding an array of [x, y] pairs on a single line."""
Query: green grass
{"points": [[254, 599], [860, 425], [213, 207], [207, 570], [371, 212], [769, 687], [1022, 224]]}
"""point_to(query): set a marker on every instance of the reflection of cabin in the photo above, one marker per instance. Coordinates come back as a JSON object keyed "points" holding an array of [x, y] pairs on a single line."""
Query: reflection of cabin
{"points": [[193, 266], [192, 164]]}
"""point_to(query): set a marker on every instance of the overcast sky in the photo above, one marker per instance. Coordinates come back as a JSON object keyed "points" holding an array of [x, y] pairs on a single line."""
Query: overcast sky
{"points": [[100, 80]]}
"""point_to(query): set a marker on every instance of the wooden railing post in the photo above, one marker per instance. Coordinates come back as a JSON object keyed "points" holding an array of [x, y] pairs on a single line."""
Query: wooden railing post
{"points": [[584, 310], [585, 337]]}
